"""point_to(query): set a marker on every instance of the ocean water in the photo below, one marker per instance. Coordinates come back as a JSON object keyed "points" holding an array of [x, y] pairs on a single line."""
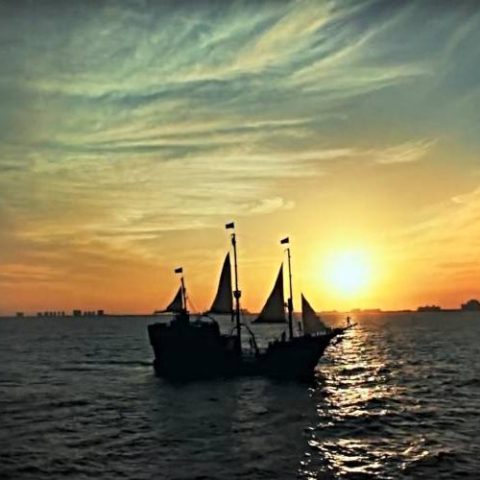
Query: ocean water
{"points": [[399, 397]]}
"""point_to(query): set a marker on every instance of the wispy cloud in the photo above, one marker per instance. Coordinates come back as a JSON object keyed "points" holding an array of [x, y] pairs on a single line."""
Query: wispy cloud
{"points": [[403, 153]]}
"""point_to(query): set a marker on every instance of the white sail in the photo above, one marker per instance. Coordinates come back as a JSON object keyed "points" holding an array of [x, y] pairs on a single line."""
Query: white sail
{"points": [[176, 305], [274, 309], [223, 302], [311, 321]]}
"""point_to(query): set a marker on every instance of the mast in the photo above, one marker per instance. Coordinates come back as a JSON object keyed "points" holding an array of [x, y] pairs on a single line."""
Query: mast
{"points": [[284, 241], [236, 293]]}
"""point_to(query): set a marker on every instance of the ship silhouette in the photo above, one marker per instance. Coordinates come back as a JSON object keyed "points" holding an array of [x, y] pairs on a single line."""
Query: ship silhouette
{"points": [[191, 349]]}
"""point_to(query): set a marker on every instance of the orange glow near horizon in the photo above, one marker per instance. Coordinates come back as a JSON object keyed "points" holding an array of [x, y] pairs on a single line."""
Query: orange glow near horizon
{"points": [[344, 277], [348, 272], [340, 277]]}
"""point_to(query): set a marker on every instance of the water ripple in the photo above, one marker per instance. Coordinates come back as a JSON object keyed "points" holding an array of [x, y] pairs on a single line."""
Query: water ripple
{"points": [[398, 398]]}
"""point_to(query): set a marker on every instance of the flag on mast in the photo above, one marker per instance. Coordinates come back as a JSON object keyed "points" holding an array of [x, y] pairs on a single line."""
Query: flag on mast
{"points": [[179, 270], [285, 240], [230, 225]]}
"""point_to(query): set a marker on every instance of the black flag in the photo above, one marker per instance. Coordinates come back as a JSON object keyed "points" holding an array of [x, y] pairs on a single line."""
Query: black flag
{"points": [[285, 240]]}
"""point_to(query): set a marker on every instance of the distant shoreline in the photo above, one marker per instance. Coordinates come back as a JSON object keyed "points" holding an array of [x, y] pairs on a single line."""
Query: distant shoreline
{"points": [[152, 315]]}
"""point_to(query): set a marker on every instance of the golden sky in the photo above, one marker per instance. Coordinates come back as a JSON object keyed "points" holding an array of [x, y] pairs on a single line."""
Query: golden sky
{"points": [[130, 134]]}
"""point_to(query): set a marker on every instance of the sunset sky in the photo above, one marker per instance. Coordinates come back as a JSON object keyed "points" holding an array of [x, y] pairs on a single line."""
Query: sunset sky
{"points": [[131, 132]]}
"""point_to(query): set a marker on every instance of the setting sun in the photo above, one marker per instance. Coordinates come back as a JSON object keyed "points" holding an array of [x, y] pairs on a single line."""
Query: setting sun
{"points": [[348, 272]]}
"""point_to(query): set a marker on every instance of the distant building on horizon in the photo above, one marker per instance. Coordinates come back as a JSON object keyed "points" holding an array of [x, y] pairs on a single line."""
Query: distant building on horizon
{"points": [[472, 305], [429, 308]]}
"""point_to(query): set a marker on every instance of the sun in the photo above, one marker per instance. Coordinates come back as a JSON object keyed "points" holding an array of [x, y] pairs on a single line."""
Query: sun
{"points": [[348, 272]]}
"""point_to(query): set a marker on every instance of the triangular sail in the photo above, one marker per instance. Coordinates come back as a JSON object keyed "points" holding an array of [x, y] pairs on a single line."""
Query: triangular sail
{"points": [[274, 309], [176, 305], [311, 321], [223, 302]]}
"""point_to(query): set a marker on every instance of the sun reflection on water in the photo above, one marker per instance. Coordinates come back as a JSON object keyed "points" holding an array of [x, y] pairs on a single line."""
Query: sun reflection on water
{"points": [[384, 405], [355, 395]]}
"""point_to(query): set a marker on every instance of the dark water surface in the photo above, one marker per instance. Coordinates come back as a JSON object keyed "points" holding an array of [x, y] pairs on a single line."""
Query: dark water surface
{"points": [[398, 398]]}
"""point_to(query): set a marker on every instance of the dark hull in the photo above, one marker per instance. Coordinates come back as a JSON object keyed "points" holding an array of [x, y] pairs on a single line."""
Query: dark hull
{"points": [[295, 359], [189, 351]]}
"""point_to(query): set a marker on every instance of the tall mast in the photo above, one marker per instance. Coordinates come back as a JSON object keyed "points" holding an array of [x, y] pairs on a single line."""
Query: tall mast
{"points": [[286, 240], [236, 293], [184, 293]]}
